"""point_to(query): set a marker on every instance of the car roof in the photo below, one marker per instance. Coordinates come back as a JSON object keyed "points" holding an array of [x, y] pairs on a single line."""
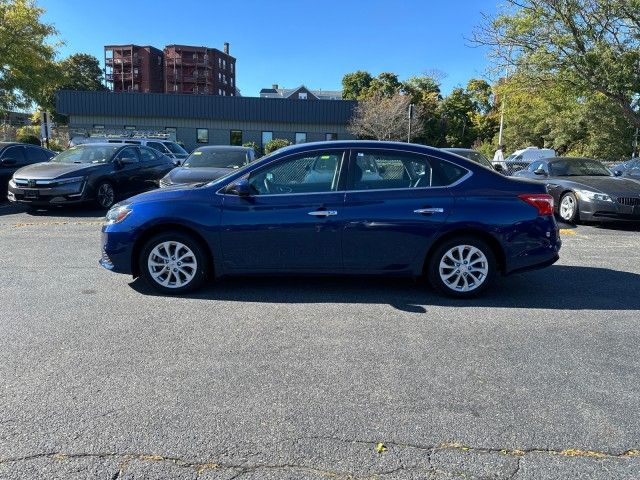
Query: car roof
{"points": [[569, 159], [456, 149], [105, 144], [301, 147], [222, 147]]}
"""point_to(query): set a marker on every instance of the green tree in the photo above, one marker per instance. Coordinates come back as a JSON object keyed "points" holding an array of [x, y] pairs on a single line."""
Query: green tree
{"points": [[80, 71], [276, 144], [353, 84], [26, 59], [424, 91], [550, 113], [456, 111], [385, 85], [255, 146], [593, 45]]}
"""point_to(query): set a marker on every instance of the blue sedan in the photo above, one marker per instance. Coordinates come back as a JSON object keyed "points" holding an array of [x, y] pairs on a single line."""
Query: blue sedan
{"points": [[380, 208]]}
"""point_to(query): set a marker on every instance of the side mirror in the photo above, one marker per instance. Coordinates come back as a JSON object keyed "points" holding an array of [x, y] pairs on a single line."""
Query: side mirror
{"points": [[127, 160], [242, 188], [176, 162], [617, 173], [7, 161], [540, 172], [382, 170], [498, 168]]}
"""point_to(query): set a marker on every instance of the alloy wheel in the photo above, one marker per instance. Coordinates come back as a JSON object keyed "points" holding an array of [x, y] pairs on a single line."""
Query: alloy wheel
{"points": [[567, 207], [105, 195], [172, 264], [463, 268]]}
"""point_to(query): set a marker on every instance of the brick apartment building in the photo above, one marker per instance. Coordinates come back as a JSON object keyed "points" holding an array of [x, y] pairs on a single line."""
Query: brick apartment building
{"points": [[199, 70], [134, 68], [177, 69]]}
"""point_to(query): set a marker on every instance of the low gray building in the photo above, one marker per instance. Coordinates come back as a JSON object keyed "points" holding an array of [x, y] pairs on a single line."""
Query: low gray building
{"points": [[197, 120]]}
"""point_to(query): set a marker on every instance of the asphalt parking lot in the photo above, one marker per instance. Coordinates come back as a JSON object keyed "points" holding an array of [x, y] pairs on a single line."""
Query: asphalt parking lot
{"points": [[303, 378]]}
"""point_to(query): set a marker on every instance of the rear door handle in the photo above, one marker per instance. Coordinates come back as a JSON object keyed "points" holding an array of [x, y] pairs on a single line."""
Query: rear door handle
{"points": [[429, 211], [323, 213]]}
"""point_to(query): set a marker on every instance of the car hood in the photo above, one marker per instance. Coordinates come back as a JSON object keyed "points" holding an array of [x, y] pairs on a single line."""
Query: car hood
{"points": [[609, 185], [195, 175], [52, 170], [165, 194]]}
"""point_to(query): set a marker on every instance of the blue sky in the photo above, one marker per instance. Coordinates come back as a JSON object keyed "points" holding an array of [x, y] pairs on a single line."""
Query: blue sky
{"points": [[291, 42]]}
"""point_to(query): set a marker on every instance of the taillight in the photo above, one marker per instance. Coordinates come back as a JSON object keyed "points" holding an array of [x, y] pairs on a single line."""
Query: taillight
{"points": [[542, 201]]}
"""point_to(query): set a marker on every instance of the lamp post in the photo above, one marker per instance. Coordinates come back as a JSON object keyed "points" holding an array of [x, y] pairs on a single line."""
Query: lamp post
{"points": [[410, 118]]}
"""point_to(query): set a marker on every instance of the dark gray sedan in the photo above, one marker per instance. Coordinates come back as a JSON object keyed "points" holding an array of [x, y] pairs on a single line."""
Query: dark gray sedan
{"points": [[584, 189], [208, 163]]}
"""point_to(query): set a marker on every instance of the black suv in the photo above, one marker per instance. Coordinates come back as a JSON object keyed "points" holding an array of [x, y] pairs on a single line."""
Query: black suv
{"points": [[98, 172]]}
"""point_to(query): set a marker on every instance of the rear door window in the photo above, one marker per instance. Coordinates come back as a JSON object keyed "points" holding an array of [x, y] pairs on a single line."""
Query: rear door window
{"points": [[381, 170], [148, 154], [158, 146]]}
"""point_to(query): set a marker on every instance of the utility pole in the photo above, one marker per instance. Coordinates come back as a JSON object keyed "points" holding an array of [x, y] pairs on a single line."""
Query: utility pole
{"points": [[410, 118]]}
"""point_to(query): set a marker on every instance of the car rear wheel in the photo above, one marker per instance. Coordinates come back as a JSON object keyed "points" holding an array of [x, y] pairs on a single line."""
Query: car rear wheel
{"points": [[173, 263], [462, 267], [568, 208], [105, 195]]}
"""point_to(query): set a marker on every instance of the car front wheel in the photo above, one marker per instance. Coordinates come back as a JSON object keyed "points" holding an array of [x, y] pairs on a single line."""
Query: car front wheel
{"points": [[173, 263], [568, 208], [462, 267], [105, 195]]}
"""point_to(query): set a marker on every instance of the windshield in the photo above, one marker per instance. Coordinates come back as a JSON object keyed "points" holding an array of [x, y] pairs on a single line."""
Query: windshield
{"points": [[513, 157], [216, 159], [87, 154], [174, 148], [578, 167]]}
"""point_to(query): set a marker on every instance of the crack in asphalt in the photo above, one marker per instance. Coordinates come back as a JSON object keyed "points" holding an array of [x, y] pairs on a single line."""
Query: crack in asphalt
{"points": [[201, 467]]}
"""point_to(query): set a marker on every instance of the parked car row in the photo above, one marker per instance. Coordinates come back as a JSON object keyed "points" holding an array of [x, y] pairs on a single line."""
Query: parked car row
{"points": [[102, 173]]}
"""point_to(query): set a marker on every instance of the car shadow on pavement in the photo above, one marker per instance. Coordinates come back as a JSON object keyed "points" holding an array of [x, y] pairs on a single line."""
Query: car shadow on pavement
{"points": [[559, 287], [77, 211]]}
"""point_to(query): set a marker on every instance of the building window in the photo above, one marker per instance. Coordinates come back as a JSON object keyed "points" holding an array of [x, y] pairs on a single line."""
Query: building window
{"points": [[224, 64], [301, 137], [235, 138], [219, 62], [202, 135], [219, 91], [330, 136], [129, 127], [266, 137], [302, 96], [219, 76], [172, 132], [231, 66]]}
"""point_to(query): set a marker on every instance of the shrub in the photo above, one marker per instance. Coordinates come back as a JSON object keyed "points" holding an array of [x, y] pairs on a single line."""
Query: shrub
{"points": [[255, 147], [28, 138], [276, 144]]}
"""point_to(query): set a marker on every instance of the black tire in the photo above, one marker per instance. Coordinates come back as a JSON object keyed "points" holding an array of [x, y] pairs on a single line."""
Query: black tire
{"points": [[574, 216], [475, 278], [105, 195], [196, 276]]}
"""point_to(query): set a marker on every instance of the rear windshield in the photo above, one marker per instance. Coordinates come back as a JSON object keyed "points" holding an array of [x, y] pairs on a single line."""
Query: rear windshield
{"points": [[216, 159], [87, 153]]}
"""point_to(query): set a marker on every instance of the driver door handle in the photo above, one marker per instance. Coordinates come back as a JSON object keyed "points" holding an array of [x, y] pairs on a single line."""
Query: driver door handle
{"points": [[323, 213], [429, 211]]}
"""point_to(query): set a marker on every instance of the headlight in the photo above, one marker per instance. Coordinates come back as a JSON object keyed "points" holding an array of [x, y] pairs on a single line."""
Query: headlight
{"points": [[67, 181], [117, 214], [586, 194]]}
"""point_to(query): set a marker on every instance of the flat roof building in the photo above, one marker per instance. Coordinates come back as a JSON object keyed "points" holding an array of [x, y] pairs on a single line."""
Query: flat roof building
{"points": [[206, 120]]}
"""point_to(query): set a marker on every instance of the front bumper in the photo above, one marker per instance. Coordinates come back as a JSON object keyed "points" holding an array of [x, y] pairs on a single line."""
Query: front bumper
{"points": [[623, 209], [117, 250], [48, 196]]}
